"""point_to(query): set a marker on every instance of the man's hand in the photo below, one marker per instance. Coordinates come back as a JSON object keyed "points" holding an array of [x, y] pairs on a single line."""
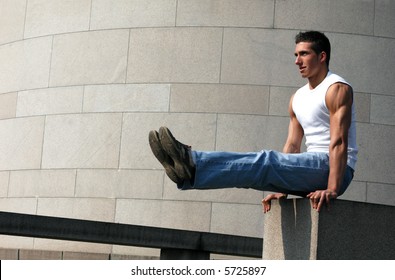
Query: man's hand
{"points": [[266, 202], [317, 198]]}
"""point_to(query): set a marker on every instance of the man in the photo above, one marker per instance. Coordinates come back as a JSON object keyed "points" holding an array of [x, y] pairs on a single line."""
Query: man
{"points": [[322, 111]]}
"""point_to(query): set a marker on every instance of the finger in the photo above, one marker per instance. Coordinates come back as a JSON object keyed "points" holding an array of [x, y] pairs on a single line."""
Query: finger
{"points": [[328, 201], [323, 198], [266, 206], [309, 195]]}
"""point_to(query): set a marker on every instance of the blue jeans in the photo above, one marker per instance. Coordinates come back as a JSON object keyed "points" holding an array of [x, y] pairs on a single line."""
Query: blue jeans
{"points": [[297, 174]]}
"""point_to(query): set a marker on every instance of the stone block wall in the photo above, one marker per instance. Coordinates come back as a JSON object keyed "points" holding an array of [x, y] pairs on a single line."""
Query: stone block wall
{"points": [[82, 82]]}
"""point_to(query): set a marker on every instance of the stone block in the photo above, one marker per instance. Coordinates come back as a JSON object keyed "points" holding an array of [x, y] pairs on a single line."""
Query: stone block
{"points": [[356, 191], [336, 16], [21, 142], [19, 205], [8, 105], [364, 72], [97, 209], [127, 98], [138, 13], [44, 17], [197, 130], [25, 64], [381, 193], [349, 231], [61, 245], [84, 256], [382, 109], [279, 100], [186, 215], [39, 255], [236, 99], [12, 20], [132, 252], [8, 254], [259, 57], [42, 183], [375, 156], [252, 13], [384, 21], [119, 183], [362, 106], [190, 55], [82, 141], [75, 63], [62, 100], [8, 241], [246, 133], [234, 195], [237, 219], [4, 182]]}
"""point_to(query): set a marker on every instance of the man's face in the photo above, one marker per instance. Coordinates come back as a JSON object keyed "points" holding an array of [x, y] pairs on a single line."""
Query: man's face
{"points": [[307, 60]]}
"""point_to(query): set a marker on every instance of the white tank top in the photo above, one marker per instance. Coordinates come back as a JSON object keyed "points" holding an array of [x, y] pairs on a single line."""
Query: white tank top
{"points": [[312, 113]]}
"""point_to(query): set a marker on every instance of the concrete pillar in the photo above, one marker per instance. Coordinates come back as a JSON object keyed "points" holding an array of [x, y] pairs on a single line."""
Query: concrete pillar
{"points": [[349, 230]]}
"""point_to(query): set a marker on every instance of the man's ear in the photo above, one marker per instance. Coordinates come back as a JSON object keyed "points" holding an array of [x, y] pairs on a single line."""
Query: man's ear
{"points": [[323, 57]]}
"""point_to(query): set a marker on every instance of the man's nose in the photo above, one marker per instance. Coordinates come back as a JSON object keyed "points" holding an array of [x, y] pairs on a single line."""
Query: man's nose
{"points": [[297, 60]]}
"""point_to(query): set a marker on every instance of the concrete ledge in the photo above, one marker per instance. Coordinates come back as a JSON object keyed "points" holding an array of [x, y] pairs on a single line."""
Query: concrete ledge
{"points": [[349, 230]]}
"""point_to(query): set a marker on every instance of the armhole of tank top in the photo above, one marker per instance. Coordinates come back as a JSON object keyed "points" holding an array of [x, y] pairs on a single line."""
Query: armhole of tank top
{"points": [[335, 82]]}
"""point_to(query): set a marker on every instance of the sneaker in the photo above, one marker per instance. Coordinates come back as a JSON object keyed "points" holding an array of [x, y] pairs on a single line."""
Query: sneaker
{"points": [[179, 153], [163, 157]]}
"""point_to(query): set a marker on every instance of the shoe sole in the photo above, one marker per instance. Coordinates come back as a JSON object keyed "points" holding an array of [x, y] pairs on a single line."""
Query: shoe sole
{"points": [[169, 144], [161, 156]]}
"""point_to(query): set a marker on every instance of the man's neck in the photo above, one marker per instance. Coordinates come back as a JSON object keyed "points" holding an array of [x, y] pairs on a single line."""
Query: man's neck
{"points": [[317, 79]]}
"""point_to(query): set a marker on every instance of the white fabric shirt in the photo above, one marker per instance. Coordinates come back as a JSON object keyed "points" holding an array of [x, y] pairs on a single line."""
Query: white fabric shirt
{"points": [[312, 113]]}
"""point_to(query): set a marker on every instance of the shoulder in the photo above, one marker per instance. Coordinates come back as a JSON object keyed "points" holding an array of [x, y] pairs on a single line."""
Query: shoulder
{"points": [[339, 94]]}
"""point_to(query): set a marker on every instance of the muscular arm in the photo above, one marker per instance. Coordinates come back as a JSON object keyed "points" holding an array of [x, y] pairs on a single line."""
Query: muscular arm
{"points": [[339, 101], [295, 133], [292, 145]]}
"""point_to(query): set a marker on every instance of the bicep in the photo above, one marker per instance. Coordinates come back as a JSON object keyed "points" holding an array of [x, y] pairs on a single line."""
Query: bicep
{"points": [[295, 133], [339, 102]]}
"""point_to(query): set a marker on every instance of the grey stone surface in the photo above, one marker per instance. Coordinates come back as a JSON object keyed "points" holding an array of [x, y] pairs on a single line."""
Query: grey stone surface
{"points": [[127, 98], [188, 215], [25, 64], [39, 255], [49, 101], [8, 105], [138, 13], [334, 15], [74, 63], [21, 142], [214, 98], [84, 256], [191, 55], [259, 57], [8, 254], [12, 20], [376, 153], [348, 231], [45, 17], [365, 73], [83, 82], [82, 141], [42, 183], [382, 109], [237, 219], [380, 193], [253, 13], [384, 21]]}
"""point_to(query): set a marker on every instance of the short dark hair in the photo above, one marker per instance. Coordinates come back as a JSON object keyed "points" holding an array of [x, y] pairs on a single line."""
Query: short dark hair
{"points": [[320, 43]]}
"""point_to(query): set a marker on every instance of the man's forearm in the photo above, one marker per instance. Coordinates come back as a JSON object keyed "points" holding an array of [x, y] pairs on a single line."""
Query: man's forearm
{"points": [[337, 167]]}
